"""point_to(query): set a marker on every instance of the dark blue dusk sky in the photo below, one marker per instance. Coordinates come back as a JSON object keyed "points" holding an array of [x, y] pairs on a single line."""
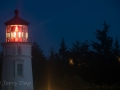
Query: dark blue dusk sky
{"points": [[51, 20]]}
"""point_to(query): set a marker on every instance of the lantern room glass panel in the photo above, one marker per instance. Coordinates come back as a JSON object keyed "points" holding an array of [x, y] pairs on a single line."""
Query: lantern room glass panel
{"points": [[16, 33]]}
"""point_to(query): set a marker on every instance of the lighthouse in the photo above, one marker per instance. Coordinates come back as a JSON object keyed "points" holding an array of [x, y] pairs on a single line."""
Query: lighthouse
{"points": [[16, 65]]}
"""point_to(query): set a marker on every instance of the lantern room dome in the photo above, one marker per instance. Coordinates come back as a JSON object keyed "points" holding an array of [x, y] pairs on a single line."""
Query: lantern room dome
{"points": [[16, 20]]}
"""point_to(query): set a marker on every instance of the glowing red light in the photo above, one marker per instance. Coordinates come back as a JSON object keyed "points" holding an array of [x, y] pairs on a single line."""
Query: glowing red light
{"points": [[16, 33]]}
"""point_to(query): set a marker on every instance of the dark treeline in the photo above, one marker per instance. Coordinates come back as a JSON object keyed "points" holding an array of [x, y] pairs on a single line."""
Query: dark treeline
{"points": [[79, 67]]}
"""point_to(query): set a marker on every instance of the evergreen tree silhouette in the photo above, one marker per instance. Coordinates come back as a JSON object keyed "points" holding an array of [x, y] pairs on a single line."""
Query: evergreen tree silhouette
{"points": [[39, 63], [104, 57], [116, 48], [63, 52], [105, 42]]}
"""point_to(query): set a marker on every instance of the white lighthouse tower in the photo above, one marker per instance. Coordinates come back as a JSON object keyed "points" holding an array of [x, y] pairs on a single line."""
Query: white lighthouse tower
{"points": [[17, 66]]}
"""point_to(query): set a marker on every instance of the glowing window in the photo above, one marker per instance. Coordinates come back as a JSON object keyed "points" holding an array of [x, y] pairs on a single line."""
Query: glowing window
{"points": [[19, 34], [8, 35], [71, 61], [118, 59], [26, 35]]}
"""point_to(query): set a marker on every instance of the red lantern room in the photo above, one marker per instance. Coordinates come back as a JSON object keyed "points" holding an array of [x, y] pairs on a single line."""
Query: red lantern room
{"points": [[16, 29]]}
